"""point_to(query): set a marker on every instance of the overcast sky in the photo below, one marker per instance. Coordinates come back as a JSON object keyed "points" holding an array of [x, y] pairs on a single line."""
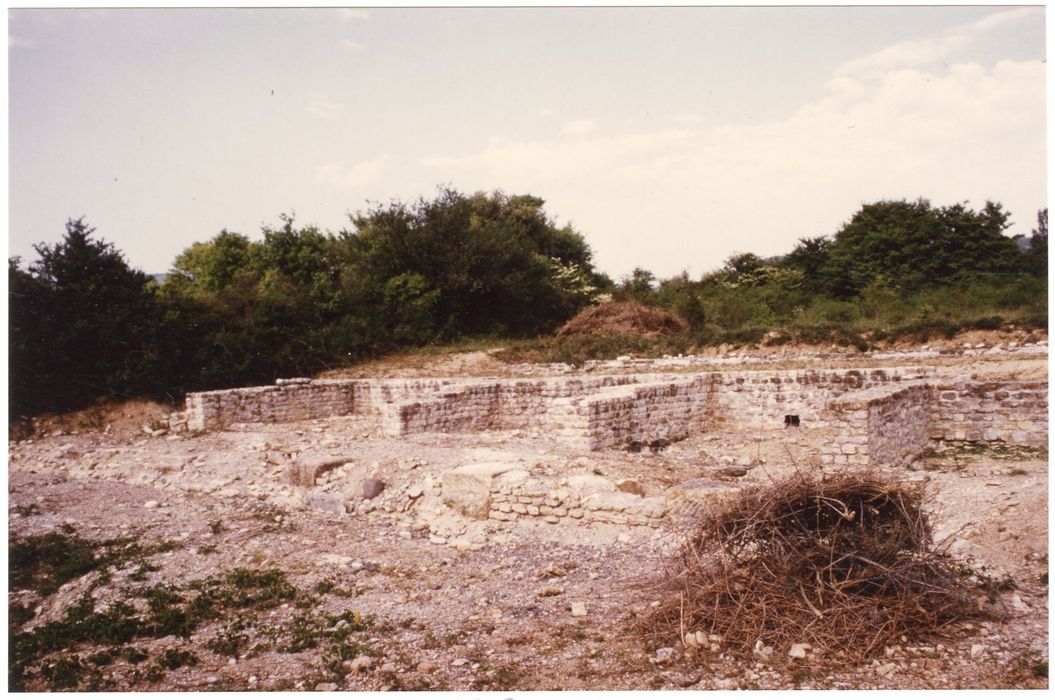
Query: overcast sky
{"points": [[670, 138]]}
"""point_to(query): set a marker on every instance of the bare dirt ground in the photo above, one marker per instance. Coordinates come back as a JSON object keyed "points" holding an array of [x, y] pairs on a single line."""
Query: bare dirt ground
{"points": [[402, 593]]}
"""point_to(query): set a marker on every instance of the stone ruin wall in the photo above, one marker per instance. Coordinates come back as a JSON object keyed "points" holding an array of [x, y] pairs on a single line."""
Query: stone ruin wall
{"points": [[499, 491], [857, 417], [761, 400], [286, 401], [494, 405], [882, 425], [1011, 412], [514, 501], [670, 410]]}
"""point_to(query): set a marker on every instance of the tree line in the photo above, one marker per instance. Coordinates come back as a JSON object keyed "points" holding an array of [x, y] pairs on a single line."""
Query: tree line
{"points": [[896, 268], [232, 311]]}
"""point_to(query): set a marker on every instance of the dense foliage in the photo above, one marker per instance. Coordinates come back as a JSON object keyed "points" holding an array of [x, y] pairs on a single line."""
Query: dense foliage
{"points": [[235, 311], [895, 269], [82, 324]]}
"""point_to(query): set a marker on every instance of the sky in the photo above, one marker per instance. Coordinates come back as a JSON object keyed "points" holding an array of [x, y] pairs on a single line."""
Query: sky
{"points": [[670, 138]]}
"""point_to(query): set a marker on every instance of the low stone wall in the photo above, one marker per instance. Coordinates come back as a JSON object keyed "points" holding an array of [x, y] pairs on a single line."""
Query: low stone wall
{"points": [[761, 400], [645, 413], [506, 492], [1011, 412], [887, 426], [468, 409], [867, 416], [892, 426], [289, 400], [501, 404], [376, 396], [561, 505]]}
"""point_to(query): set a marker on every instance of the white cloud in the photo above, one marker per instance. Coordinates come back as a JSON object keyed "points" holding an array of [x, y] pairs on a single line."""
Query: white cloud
{"points": [[688, 197], [356, 175], [323, 107], [578, 127], [354, 45], [351, 14], [930, 50]]}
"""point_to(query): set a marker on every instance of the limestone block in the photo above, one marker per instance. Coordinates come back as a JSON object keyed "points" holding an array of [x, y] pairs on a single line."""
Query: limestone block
{"points": [[310, 464], [508, 480], [653, 507], [616, 501], [586, 484], [325, 502], [468, 488]]}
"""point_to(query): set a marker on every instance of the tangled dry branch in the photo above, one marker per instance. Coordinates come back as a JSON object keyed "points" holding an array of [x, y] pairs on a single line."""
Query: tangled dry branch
{"points": [[845, 564]]}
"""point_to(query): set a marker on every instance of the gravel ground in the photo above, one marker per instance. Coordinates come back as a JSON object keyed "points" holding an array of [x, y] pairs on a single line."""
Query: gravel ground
{"points": [[401, 593]]}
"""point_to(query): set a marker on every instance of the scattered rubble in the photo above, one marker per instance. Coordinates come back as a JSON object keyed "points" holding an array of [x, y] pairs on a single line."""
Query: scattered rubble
{"points": [[504, 559]]}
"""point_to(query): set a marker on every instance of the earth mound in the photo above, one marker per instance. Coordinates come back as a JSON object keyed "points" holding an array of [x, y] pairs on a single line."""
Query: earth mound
{"points": [[622, 318]]}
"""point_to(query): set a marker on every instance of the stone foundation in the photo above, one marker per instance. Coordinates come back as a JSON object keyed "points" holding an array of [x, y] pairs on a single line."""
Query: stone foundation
{"points": [[878, 416], [1011, 412], [289, 400], [882, 425]]}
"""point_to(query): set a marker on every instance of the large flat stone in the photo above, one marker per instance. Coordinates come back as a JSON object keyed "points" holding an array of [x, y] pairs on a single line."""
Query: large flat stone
{"points": [[325, 502], [616, 501], [467, 488], [488, 469], [586, 484]]}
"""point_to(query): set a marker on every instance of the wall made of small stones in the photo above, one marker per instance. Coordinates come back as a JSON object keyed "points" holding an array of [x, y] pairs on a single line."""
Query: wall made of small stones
{"points": [[884, 425], [646, 413], [899, 426], [378, 395], [761, 400], [289, 400], [845, 439], [1011, 412], [474, 408], [498, 405], [556, 505]]}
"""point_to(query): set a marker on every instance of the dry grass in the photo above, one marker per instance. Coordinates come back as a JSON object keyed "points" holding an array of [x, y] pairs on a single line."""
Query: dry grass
{"points": [[846, 565], [622, 318]]}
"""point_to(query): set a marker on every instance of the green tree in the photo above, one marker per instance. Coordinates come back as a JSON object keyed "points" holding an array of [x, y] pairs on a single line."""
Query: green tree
{"points": [[639, 285], [482, 263], [811, 257], [911, 245], [1036, 256], [211, 267], [83, 325], [259, 310]]}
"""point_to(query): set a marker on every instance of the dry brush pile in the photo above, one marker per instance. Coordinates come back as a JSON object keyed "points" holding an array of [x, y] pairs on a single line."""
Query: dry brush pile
{"points": [[846, 565]]}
